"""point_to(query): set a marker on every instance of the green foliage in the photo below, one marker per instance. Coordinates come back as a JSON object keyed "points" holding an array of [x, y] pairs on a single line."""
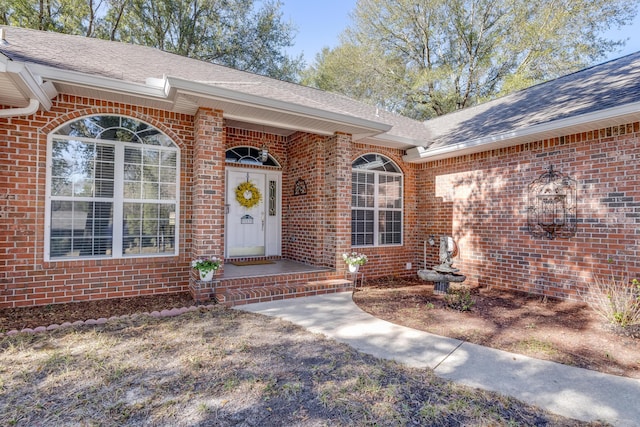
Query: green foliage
{"points": [[235, 33], [425, 58], [459, 299]]}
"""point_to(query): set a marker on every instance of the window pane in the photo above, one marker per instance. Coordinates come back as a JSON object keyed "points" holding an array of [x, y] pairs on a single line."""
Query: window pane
{"points": [[362, 190], [82, 169], [132, 172], [61, 187], [133, 155], [132, 190], [150, 190], [81, 228], [390, 227], [167, 192], [167, 174], [151, 157], [149, 228], [361, 227], [248, 156], [169, 159], [390, 192], [375, 162], [132, 228], [150, 174]]}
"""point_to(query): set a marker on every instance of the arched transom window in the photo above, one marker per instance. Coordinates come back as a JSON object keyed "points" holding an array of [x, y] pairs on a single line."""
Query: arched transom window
{"points": [[112, 190], [376, 201], [250, 156]]}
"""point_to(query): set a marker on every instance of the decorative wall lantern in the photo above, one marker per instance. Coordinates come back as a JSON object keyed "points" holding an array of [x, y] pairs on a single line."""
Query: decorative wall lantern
{"points": [[264, 153], [551, 209]]}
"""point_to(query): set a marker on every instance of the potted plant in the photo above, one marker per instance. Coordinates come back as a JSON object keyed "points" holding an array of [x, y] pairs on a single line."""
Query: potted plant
{"points": [[354, 260], [206, 267]]}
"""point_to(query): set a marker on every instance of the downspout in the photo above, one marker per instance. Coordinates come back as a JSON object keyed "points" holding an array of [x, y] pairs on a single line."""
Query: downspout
{"points": [[30, 109]]}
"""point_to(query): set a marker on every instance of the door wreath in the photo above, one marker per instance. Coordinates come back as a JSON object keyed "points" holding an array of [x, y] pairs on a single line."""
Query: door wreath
{"points": [[248, 195]]}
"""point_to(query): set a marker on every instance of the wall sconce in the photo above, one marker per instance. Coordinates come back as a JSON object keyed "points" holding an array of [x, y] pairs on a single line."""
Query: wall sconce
{"points": [[264, 154], [551, 208]]}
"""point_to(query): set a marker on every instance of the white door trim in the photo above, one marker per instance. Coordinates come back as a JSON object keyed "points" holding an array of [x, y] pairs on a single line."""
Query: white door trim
{"points": [[273, 211]]}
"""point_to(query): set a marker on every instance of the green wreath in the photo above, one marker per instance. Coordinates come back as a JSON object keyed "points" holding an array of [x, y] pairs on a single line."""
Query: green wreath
{"points": [[248, 195]]}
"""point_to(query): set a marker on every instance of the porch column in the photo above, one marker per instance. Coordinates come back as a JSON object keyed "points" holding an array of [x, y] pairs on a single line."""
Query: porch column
{"points": [[338, 199], [208, 187]]}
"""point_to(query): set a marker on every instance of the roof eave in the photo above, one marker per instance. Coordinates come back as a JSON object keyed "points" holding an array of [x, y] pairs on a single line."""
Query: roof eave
{"points": [[34, 89], [215, 92], [395, 141], [599, 119], [167, 89]]}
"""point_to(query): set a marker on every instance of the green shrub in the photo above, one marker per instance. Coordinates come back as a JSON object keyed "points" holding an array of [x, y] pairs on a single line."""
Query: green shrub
{"points": [[459, 299]]}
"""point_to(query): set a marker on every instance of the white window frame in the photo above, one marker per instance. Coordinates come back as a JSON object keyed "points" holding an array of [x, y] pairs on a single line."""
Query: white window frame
{"points": [[376, 209], [118, 199]]}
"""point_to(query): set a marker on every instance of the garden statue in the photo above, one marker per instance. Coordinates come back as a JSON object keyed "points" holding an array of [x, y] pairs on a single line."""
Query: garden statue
{"points": [[443, 273]]}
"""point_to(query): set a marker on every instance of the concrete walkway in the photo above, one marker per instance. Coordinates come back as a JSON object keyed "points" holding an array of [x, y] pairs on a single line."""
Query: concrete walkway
{"points": [[571, 392]]}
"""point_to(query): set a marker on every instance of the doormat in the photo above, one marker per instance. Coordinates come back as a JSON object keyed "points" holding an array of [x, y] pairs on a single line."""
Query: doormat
{"points": [[252, 262]]}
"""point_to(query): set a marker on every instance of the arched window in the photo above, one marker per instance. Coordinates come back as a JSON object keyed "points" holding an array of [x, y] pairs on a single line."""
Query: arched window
{"points": [[376, 201], [250, 156], [112, 190]]}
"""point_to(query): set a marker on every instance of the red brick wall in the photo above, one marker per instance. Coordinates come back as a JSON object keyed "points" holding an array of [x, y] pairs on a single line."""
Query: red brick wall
{"points": [[481, 199], [392, 260], [25, 278], [208, 185], [302, 223], [336, 199]]}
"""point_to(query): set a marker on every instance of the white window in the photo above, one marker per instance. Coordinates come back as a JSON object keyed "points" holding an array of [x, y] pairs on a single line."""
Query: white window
{"points": [[112, 190], [376, 202]]}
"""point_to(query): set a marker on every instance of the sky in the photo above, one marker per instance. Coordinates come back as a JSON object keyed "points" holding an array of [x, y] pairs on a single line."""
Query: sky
{"points": [[319, 23]]}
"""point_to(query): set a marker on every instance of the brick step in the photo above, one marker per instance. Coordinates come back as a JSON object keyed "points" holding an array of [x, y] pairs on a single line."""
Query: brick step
{"points": [[249, 295]]}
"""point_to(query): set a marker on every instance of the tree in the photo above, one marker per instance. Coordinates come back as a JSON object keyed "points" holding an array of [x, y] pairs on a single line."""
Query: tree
{"points": [[235, 33], [426, 58]]}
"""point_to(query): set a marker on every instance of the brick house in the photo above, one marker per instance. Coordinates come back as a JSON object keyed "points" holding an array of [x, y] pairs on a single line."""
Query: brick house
{"points": [[120, 164]]}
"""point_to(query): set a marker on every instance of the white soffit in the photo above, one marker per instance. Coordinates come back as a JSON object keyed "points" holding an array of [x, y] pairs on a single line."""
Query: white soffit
{"points": [[10, 94]]}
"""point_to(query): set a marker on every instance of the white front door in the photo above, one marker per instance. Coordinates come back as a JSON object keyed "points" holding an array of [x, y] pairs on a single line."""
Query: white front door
{"points": [[252, 230]]}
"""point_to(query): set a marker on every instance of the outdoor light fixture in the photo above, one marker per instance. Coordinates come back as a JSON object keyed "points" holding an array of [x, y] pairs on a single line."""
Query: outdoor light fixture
{"points": [[551, 209], [264, 153], [264, 150]]}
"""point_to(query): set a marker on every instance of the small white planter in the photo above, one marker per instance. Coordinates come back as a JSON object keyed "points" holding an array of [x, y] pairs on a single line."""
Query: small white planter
{"points": [[208, 276], [353, 268]]}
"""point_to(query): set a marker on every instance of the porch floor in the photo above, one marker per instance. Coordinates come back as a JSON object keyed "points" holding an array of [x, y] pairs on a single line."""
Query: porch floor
{"points": [[280, 266]]}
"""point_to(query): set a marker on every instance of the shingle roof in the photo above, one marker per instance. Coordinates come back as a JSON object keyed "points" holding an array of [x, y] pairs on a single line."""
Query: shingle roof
{"points": [[593, 89], [135, 64]]}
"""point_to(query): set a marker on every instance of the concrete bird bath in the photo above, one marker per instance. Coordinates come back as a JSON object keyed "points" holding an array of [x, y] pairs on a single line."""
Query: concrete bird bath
{"points": [[444, 273]]}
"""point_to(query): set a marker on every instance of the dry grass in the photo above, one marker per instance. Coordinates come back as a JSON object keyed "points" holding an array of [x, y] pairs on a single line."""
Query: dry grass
{"points": [[617, 300], [223, 367]]}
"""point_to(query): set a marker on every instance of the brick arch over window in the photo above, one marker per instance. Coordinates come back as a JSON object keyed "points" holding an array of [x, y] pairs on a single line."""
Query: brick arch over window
{"points": [[376, 201], [103, 111], [112, 190]]}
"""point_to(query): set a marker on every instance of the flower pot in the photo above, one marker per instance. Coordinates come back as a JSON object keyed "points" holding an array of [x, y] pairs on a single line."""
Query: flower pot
{"points": [[353, 268], [208, 276]]}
